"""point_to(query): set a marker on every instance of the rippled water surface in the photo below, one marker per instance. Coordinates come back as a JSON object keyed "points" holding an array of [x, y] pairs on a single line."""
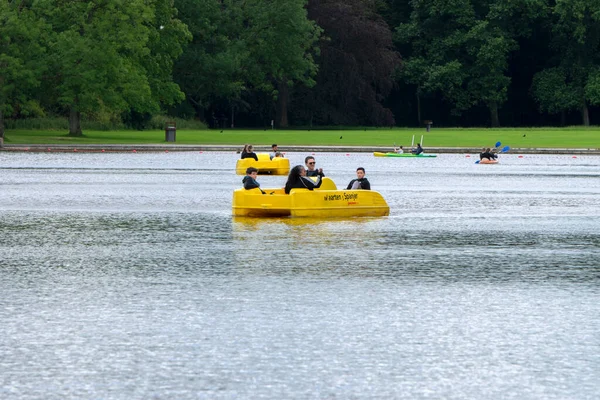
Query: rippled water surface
{"points": [[124, 276]]}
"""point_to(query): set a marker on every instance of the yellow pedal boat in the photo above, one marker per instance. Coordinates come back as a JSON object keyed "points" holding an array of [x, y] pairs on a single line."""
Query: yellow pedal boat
{"points": [[324, 202], [264, 165]]}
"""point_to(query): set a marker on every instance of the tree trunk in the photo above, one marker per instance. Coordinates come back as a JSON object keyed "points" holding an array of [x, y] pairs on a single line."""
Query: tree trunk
{"points": [[418, 109], [585, 115], [1, 129], [282, 103], [494, 114], [75, 123], [232, 115]]}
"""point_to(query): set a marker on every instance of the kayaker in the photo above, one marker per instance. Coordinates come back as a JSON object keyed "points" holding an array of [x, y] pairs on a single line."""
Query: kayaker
{"points": [[310, 162], [399, 150], [248, 153], [487, 153], [360, 182], [297, 180], [250, 181], [418, 150]]}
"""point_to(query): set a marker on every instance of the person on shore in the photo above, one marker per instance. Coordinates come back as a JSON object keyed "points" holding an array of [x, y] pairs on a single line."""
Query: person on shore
{"points": [[250, 181], [399, 150], [360, 182], [248, 152], [418, 150], [297, 180], [310, 162], [275, 152]]}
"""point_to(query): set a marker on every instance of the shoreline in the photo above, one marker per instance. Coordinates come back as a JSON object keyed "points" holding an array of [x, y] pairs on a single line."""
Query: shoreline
{"points": [[122, 148]]}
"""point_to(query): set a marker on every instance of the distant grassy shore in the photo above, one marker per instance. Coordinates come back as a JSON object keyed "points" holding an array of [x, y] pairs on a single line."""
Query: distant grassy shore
{"points": [[570, 137]]}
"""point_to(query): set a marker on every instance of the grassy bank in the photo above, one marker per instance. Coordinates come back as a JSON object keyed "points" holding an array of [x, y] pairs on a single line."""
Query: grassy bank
{"points": [[571, 137]]}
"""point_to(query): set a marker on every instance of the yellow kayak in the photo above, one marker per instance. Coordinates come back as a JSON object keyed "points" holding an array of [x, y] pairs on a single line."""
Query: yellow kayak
{"points": [[276, 166], [324, 202]]}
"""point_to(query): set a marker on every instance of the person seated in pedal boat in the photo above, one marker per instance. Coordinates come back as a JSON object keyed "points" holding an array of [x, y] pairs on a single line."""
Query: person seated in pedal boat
{"points": [[250, 181], [275, 152], [399, 150], [360, 182], [248, 152], [297, 180], [310, 162], [418, 150]]}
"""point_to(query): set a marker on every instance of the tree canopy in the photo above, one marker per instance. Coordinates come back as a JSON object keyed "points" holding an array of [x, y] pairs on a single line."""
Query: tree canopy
{"points": [[302, 62]]}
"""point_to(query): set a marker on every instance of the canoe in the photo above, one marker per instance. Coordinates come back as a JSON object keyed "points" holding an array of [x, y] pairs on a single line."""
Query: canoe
{"points": [[319, 203], [486, 161], [378, 154], [276, 166]]}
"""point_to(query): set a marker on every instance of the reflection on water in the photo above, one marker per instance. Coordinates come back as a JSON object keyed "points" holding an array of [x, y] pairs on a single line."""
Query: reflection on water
{"points": [[125, 276]]}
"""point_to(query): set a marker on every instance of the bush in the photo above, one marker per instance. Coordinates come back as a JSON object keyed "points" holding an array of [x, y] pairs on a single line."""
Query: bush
{"points": [[104, 124]]}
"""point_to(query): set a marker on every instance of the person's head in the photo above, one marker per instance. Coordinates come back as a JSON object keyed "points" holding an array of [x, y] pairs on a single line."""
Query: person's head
{"points": [[360, 172], [274, 147], [249, 148], [401, 147], [277, 154], [251, 171], [488, 149], [418, 144], [310, 162], [296, 173]]}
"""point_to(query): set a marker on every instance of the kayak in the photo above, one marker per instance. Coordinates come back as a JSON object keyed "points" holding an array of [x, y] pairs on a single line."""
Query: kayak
{"points": [[486, 161], [324, 202], [378, 154]]}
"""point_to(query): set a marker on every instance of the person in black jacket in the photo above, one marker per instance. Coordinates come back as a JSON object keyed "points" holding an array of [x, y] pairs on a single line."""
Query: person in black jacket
{"points": [[310, 162], [250, 181], [297, 180], [248, 153], [360, 182], [418, 150]]}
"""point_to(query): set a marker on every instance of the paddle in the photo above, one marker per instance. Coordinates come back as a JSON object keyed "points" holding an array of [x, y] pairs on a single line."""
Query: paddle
{"points": [[498, 144], [505, 149]]}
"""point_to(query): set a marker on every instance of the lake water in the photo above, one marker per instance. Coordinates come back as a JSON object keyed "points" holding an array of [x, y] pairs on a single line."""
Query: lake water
{"points": [[124, 276]]}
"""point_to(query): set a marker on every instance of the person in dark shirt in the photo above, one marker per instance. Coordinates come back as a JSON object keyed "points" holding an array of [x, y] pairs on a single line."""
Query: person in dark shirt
{"points": [[250, 181], [297, 180], [310, 167], [248, 153], [418, 150], [360, 182]]}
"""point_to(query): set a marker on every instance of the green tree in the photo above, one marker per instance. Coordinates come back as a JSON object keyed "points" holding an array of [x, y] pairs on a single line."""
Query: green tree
{"points": [[571, 81], [21, 59], [246, 47], [110, 55], [461, 49], [213, 66]]}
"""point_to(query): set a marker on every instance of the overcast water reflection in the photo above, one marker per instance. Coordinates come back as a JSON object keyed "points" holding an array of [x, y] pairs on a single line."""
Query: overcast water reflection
{"points": [[124, 276]]}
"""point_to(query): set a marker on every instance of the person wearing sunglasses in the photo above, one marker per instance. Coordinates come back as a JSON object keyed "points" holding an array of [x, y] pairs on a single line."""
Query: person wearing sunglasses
{"points": [[310, 167]]}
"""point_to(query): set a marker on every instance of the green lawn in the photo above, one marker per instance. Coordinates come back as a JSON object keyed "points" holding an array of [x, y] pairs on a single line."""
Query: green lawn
{"points": [[571, 137]]}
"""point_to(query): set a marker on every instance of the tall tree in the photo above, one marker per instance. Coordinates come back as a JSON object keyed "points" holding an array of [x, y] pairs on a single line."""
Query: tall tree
{"points": [[21, 58], [356, 65], [461, 49], [572, 81], [100, 50], [244, 47]]}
